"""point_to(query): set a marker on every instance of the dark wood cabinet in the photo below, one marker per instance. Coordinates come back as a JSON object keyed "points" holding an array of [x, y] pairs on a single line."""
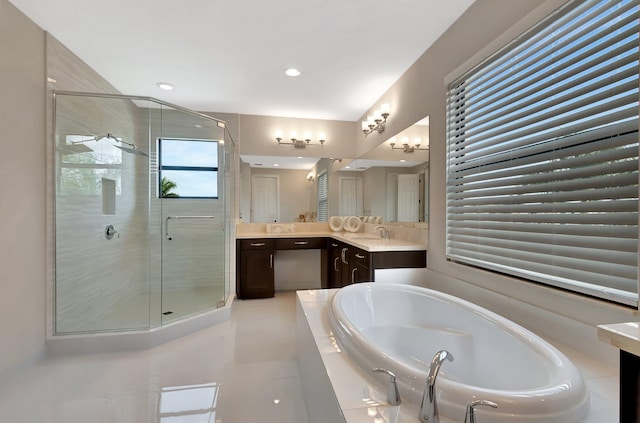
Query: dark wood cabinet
{"points": [[334, 264], [349, 264], [254, 273], [342, 264], [360, 266]]}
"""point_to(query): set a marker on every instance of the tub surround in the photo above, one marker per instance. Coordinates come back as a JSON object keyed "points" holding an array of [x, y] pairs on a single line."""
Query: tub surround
{"points": [[626, 337]]}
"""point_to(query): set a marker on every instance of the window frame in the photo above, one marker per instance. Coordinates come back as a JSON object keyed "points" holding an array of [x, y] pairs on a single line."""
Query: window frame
{"points": [[214, 169], [463, 132]]}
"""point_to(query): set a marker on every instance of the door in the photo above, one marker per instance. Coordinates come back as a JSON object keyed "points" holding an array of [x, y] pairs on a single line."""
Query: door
{"points": [[392, 197], [351, 196], [408, 198], [264, 198], [192, 214]]}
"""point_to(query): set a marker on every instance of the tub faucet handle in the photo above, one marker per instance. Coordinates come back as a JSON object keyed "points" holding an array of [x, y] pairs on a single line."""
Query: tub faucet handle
{"points": [[393, 396], [470, 416]]}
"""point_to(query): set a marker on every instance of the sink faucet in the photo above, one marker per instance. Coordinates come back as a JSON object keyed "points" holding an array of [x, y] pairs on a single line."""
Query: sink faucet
{"points": [[384, 232], [429, 407]]}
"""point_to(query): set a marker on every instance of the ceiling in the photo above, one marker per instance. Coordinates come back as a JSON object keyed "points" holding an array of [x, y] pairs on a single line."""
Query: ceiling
{"points": [[230, 56]]}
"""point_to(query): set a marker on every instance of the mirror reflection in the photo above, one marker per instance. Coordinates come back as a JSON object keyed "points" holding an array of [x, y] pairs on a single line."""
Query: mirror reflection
{"points": [[391, 182]]}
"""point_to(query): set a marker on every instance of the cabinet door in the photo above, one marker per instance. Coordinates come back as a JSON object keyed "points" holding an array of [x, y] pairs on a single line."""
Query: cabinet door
{"points": [[256, 274], [334, 265], [360, 268], [345, 277]]}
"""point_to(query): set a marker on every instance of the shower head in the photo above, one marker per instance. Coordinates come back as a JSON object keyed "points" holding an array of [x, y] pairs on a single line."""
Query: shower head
{"points": [[133, 149], [74, 149], [126, 146]]}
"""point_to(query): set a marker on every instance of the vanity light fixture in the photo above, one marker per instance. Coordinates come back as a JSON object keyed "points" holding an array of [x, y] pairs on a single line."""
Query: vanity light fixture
{"points": [[408, 148], [377, 121], [300, 143]]}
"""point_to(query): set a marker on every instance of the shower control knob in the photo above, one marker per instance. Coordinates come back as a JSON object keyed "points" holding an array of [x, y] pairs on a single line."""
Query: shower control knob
{"points": [[110, 231]]}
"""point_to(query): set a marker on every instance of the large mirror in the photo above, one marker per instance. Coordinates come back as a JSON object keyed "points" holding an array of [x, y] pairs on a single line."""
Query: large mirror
{"points": [[390, 182]]}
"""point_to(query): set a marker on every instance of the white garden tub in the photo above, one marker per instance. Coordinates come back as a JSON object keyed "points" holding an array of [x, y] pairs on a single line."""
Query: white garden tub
{"points": [[401, 327]]}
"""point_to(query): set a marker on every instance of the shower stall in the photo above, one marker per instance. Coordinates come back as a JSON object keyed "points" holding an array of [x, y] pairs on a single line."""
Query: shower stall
{"points": [[141, 213]]}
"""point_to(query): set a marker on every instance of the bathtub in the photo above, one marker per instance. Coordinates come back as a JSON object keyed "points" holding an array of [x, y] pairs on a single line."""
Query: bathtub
{"points": [[401, 327]]}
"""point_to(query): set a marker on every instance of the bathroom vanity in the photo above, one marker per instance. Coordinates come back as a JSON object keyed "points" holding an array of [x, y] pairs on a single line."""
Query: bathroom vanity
{"points": [[346, 258]]}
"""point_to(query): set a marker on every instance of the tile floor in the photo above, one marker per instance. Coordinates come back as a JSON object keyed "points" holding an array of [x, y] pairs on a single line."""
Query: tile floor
{"points": [[243, 370]]}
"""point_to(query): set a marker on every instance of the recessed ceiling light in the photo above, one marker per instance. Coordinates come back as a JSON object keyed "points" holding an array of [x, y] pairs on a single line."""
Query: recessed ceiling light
{"points": [[276, 165], [165, 86], [292, 72], [299, 157]]}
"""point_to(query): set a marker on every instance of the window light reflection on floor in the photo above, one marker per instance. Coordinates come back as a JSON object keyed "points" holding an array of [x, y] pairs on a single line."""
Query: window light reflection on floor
{"points": [[189, 404]]}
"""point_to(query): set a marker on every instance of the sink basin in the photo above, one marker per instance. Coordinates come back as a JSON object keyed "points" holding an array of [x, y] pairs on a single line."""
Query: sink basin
{"points": [[367, 238]]}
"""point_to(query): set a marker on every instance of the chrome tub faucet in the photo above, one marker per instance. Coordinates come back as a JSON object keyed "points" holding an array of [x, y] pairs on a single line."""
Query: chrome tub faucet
{"points": [[429, 407]]}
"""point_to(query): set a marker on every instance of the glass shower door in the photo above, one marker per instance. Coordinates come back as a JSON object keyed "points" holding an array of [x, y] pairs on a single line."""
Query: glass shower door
{"points": [[191, 191]]}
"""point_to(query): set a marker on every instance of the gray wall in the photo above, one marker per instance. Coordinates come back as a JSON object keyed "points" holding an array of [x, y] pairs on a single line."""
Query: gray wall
{"points": [[22, 205]]}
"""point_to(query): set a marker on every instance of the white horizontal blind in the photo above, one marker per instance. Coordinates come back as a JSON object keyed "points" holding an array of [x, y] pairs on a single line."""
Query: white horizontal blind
{"points": [[542, 154], [323, 197]]}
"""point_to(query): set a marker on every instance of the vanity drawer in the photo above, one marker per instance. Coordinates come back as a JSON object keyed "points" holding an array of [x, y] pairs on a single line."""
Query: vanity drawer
{"points": [[256, 244], [361, 257], [300, 243]]}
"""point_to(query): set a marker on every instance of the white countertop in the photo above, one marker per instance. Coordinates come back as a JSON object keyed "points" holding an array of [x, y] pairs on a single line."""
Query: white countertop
{"points": [[367, 241], [625, 336]]}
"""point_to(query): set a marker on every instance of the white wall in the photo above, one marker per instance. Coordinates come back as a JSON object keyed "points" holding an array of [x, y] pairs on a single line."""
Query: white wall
{"points": [[258, 136], [486, 26], [22, 204]]}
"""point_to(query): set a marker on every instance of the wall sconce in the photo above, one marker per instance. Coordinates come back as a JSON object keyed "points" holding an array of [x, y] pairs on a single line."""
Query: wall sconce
{"points": [[406, 146], [310, 178], [377, 121], [300, 143]]}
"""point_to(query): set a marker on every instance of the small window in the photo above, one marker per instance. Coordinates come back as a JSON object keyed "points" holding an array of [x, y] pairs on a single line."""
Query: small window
{"points": [[188, 168]]}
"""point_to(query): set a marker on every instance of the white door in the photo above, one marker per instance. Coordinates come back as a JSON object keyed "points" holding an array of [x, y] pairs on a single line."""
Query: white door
{"points": [[264, 198], [392, 197], [408, 198], [351, 197]]}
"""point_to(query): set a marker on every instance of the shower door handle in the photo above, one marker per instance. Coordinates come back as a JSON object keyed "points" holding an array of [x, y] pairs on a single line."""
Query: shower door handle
{"points": [[166, 224]]}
